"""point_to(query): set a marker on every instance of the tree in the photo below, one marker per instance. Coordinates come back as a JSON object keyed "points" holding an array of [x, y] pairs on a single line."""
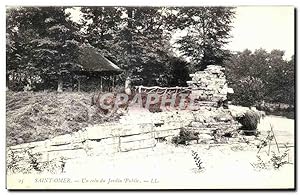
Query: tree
{"points": [[281, 78], [207, 33], [18, 49], [290, 75], [179, 72], [248, 91], [47, 40], [146, 42], [100, 26], [56, 47], [135, 38], [42, 43], [261, 76]]}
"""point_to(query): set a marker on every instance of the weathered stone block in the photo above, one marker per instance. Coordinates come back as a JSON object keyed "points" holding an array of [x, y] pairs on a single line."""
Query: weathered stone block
{"points": [[79, 136], [111, 140], [202, 130], [166, 133], [67, 154], [98, 147], [197, 124], [142, 136], [61, 140], [103, 150], [205, 137], [132, 129], [102, 131], [171, 125], [71, 146], [128, 146]]}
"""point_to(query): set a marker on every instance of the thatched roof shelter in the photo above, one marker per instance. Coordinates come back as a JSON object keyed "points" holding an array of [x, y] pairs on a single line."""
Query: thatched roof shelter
{"points": [[95, 70], [94, 63]]}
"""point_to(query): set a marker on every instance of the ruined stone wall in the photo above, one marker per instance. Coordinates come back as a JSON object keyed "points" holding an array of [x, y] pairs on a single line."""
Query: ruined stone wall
{"points": [[209, 86], [104, 139], [136, 134], [144, 129]]}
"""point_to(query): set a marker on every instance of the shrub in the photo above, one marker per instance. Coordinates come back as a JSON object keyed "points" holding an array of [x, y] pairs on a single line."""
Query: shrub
{"points": [[278, 160], [249, 120], [185, 136]]}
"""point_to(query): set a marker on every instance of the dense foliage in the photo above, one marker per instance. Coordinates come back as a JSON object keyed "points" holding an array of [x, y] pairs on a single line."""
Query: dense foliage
{"points": [[207, 32], [42, 45], [42, 42], [261, 76]]}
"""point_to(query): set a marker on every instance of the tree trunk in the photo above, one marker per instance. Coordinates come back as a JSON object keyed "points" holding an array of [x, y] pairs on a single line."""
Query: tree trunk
{"points": [[129, 37], [78, 84], [101, 84], [7, 82], [60, 85]]}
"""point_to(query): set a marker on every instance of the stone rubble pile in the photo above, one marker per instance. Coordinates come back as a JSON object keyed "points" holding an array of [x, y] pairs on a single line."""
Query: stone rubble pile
{"points": [[212, 124], [209, 86]]}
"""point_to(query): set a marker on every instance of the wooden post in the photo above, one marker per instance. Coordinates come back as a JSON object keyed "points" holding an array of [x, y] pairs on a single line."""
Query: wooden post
{"points": [[60, 85], [7, 82], [128, 86], [101, 85], [78, 84], [111, 83]]}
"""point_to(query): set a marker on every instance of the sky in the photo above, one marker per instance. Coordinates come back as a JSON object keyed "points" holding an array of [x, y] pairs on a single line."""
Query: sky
{"points": [[267, 27], [255, 27]]}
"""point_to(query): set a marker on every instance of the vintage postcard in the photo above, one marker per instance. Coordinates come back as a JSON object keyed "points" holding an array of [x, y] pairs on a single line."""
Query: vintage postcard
{"points": [[141, 97]]}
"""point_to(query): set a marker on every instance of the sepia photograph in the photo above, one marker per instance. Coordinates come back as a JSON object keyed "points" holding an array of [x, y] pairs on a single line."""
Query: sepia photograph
{"points": [[150, 97]]}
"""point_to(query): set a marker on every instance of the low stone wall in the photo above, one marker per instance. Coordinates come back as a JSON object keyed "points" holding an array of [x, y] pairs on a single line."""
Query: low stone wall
{"points": [[142, 129], [101, 139]]}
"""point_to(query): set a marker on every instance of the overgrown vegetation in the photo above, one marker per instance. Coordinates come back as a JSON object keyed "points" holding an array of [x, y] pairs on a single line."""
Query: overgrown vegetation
{"points": [[267, 161], [38, 116], [197, 160], [11, 161], [33, 161], [185, 136], [26, 162], [275, 161], [278, 160]]}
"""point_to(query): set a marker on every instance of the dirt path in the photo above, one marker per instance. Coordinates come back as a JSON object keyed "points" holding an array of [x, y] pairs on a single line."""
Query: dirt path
{"points": [[283, 128]]}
